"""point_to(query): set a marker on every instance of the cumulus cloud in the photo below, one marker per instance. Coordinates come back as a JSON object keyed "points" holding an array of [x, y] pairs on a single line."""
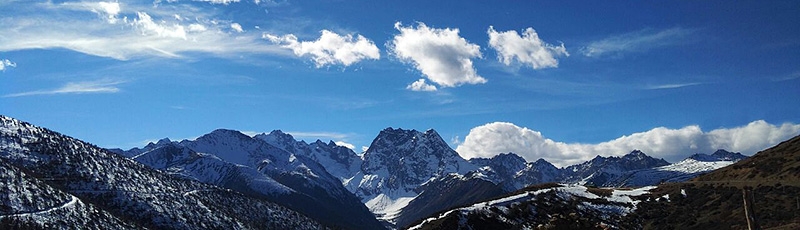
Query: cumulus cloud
{"points": [[5, 63], [237, 27], [671, 144], [103, 86], [637, 41], [527, 49], [345, 144], [421, 85], [330, 48], [147, 27], [133, 34], [443, 56]]}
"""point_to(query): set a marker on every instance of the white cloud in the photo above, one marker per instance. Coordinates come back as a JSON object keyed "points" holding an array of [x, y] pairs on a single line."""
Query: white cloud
{"points": [[527, 49], [103, 86], [345, 144], [673, 86], [421, 85], [638, 41], [364, 148], [455, 140], [330, 48], [789, 77], [224, 2], [158, 34], [148, 27], [324, 135], [237, 27], [5, 63], [671, 144], [194, 27], [108, 10], [441, 55]]}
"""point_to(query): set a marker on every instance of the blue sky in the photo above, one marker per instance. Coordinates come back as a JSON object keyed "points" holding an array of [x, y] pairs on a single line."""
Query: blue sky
{"points": [[118, 77]]}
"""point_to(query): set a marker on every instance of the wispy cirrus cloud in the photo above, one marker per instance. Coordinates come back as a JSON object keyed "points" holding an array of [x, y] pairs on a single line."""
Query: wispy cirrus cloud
{"points": [[337, 137], [673, 86], [789, 77], [323, 135], [125, 31], [637, 41], [102, 86], [108, 10]]}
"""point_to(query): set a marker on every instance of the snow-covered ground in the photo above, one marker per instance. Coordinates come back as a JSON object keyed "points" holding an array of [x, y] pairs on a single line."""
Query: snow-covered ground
{"points": [[694, 166], [388, 207]]}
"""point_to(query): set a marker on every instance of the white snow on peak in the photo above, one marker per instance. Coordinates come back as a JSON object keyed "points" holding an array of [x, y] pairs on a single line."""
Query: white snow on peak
{"points": [[694, 166]]}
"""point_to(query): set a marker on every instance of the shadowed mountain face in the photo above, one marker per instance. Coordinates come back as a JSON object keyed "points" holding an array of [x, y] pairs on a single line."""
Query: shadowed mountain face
{"points": [[445, 193], [130, 191], [253, 166]]}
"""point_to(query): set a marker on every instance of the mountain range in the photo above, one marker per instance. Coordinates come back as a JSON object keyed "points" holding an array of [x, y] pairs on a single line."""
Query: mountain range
{"points": [[403, 177], [51, 179], [759, 192]]}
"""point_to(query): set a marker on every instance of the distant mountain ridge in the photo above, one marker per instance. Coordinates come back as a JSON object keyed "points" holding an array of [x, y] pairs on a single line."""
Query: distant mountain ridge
{"points": [[719, 155], [407, 174], [253, 165], [123, 189], [766, 185]]}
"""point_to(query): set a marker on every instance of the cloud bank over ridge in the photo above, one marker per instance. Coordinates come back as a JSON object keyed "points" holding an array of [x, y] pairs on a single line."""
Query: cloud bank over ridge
{"points": [[671, 144]]}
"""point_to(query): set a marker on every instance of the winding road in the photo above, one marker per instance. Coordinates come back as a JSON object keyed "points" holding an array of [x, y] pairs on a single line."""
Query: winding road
{"points": [[68, 204]]}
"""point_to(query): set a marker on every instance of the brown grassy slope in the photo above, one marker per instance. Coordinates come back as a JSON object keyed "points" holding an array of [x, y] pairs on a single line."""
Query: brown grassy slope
{"points": [[777, 164], [714, 200]]}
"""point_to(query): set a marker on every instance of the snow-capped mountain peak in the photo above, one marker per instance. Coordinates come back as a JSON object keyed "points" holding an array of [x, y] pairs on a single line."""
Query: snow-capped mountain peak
{"points": [[719, 155], [164, 141], [543, 162], [397, 162], [280, 139]]}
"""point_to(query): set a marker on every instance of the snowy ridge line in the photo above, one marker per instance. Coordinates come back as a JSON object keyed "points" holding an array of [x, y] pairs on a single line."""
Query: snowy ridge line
{"points": [[431, 219], [565, 191], [196, 191], [68, 204], [483, 204]]}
